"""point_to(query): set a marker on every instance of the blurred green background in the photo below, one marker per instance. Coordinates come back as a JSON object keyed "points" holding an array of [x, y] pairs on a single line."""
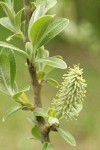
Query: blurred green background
{"points": [[78, 43]]}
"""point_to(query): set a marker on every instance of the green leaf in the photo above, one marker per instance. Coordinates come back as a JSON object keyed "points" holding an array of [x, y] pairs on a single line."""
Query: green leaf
{"points": [[36, 132], [10, 4], [42, 7], [49, 5], [67, 136], [8, 12], [17, 35], [53, 82], [5, 22], [32, 120], [18, 18], [21, 98], [54, 62], [18, 93], [7, 45], [5, 75], [11, 111], [53, 30], [39, 12], [47, 146], [40, 112], [37, 30], [10, 56]]}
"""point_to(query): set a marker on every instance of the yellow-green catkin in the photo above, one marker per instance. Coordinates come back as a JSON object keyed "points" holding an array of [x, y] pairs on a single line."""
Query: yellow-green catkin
{"points": [[69, 99]]}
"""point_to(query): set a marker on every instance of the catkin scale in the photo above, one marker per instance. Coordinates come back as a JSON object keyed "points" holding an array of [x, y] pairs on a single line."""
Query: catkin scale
{"points": [[69, 99]]}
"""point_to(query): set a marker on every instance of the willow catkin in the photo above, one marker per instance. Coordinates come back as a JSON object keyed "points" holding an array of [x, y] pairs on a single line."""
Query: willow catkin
{"points": [[69, 99]]}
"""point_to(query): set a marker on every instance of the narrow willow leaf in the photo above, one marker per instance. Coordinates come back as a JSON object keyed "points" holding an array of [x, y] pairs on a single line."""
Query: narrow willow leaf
{"points": [[7, 45], [49, 5], [47, 146], [18, 93], [41, 9], [53, 82], [67, 136], [18, 18], [5, 74], [39, 12], [21, 98], [36, 132], [40, 112], [16, 35], [10, 56], [5, 22], [37, 30], [10, 4], [54, 62], [53, 30], [8, 12], [11, 111]]}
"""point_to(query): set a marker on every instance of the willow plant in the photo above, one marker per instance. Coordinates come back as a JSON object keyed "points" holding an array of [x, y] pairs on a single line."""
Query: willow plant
{"points": [[35, 31]]}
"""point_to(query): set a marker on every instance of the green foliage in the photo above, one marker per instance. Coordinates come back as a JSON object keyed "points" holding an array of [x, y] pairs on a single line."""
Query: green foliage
{"points": [[42, 29], [47, 146], [67, 136], [11, 111]]}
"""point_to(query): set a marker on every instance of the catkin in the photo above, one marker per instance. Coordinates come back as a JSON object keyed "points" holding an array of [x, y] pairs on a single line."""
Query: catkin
{"points": [[69, 99]]}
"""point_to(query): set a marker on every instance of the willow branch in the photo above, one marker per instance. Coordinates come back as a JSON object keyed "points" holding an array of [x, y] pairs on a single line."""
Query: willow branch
{"points": [[35, 83]]}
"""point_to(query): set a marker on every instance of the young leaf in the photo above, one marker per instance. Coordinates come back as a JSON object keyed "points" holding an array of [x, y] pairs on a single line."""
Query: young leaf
{"points": [[50, 4], [22, 98], [7, 45], [53, 82], [39, 12], [11, 111], [54, 62], [5, 74], [5, 22], [18, 18], [8, 12], [10, 56], [37, 30], [36, 132], [17, 35], [47, 146], [67, 136], [53, 30]]}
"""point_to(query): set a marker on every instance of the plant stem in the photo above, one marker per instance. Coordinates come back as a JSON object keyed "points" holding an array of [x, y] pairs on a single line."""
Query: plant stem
{"points": [[35, 83]]}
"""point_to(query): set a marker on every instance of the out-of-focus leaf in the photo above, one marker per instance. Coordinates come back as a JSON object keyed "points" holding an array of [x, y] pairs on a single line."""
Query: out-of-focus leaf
{"points": [[54, 62], [5, 75], [37, 30], [53, 30], [11, 58], [11, 111], [32, 120], [36, 132], [50, 4], [18, 18], [8, 12], [47, 146], [21, 98], [7, 45], [7, 24], [42, 7], [67, 136], [17, 35], [53, 82]]}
